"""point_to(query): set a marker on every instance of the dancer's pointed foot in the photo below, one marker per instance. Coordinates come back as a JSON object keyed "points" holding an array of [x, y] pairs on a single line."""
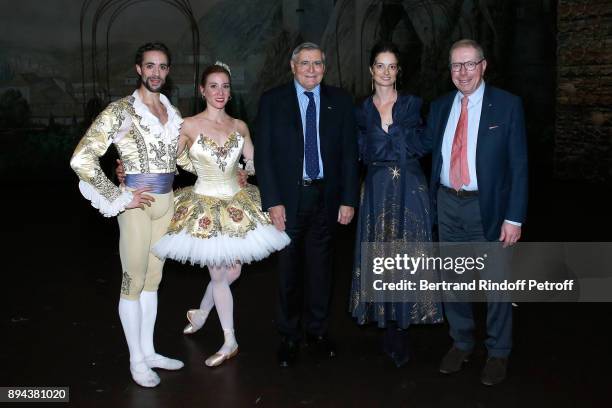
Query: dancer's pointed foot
{"points": [[143, 375], [227, 351], [159, 361], [220, 356], [196, 318]]}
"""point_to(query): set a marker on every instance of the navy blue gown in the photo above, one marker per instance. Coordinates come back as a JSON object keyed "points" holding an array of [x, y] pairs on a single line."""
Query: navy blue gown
{"points": [[394, 206]]}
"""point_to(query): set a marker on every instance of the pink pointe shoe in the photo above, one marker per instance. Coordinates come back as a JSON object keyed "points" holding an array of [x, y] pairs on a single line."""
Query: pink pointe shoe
{"points": [[196, 318], [218, 358]]}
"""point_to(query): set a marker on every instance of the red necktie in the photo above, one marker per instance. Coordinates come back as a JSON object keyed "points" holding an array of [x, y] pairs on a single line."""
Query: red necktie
{"points": [[459, 173]]}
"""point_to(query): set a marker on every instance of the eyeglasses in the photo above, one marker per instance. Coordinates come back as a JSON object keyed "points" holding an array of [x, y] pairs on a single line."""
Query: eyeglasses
{"points": [[469, 65], [380, 67], [307, 64]]}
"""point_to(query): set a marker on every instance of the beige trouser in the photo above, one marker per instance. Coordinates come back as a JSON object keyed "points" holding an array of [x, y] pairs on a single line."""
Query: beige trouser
{"points": [[139, 231]]}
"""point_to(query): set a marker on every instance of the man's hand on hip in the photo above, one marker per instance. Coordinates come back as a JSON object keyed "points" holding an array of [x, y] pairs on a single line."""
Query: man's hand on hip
{"points": [[140, 199]]}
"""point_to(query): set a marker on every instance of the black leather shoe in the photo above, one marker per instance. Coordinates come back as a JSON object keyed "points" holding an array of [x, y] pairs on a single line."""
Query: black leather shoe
{"points": [[494, 371], [396, 345], [321, 345], [453, 360], [287, 353]]}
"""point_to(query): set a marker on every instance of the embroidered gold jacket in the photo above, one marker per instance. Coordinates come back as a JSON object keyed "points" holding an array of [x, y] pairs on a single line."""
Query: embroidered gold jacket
{"points": [[143, 143]]}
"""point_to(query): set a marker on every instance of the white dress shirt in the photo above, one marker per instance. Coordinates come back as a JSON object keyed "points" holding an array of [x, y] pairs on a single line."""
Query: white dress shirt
{"points": [[474, 110]]}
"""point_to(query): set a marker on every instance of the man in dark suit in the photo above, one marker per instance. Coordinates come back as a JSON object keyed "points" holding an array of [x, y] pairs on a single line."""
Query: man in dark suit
{"points": [[306, 163], [479, 189]]}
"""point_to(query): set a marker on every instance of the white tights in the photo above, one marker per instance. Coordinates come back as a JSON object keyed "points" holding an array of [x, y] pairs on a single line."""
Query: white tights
{"points": [[231, 274], [219, 294]]}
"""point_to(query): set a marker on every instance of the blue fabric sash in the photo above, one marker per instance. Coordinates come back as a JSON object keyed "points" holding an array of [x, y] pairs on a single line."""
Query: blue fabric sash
{"points": [[159, 183]]}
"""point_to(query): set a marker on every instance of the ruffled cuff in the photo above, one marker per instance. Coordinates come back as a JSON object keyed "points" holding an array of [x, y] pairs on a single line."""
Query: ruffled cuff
{"points": [[107, 208]]}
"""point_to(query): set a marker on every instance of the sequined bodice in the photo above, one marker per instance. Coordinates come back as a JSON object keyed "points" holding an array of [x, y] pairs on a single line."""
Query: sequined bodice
{"points": [[217, 165]]}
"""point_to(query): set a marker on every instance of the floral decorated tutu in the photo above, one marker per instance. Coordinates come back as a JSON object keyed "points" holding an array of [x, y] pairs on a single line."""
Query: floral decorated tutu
{"points": [[216, 228]]}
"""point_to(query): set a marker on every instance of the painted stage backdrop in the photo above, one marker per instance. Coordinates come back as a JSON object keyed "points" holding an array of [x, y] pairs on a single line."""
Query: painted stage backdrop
{"points": [[62, 61]]}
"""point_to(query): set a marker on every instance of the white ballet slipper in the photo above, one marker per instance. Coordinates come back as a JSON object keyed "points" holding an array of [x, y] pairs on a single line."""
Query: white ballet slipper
{"points": [[165, 363], [143, 375]]}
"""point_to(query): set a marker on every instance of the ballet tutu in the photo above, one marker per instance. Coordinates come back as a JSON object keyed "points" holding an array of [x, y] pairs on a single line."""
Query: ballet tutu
{"points": [[208, 230]]}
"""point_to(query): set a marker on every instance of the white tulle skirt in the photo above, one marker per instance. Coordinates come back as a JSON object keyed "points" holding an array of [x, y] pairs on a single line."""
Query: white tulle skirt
{"points": [[222, 250], [210, 231]]}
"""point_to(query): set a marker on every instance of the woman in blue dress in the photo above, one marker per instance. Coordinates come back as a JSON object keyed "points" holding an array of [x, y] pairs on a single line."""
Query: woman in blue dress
{"points": [[394, 207]]}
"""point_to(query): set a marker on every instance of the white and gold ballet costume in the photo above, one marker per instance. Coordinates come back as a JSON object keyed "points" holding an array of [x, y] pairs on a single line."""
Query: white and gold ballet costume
{"points": [[215, 222], [147, 149], [220, 225]]}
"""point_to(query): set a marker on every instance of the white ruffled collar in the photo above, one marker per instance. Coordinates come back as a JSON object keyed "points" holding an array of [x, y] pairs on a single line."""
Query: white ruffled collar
{"points": [[168, 132]]}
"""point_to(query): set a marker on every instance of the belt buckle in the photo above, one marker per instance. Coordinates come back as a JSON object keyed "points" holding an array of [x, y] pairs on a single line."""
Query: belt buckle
{"points": [[307, 182], [457, 193], [464, 193]]}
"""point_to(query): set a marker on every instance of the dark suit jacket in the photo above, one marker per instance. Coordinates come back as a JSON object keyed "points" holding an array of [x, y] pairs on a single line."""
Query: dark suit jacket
{"points": [[279, 149], [501, 157]]}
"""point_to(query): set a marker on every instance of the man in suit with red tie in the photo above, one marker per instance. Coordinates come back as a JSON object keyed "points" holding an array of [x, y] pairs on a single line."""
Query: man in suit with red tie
{"points": [[306, 163], [479, 188]]}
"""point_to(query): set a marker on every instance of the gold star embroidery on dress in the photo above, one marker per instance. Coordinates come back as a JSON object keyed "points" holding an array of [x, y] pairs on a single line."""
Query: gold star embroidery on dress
{"points": [[395, 173]]}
